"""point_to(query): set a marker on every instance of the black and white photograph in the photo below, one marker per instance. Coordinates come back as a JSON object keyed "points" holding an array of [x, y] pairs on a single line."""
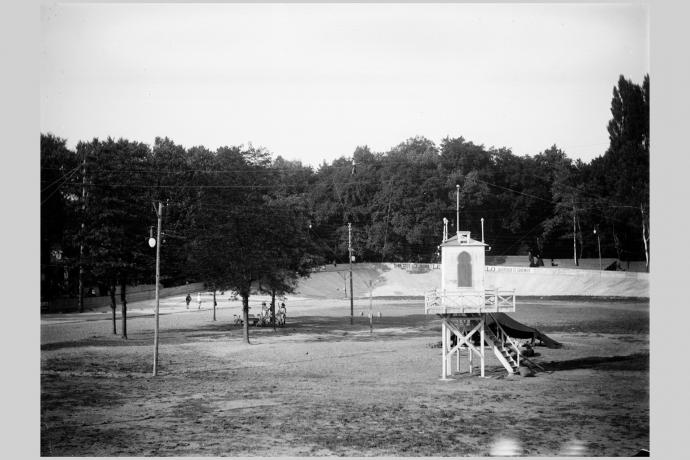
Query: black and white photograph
{"points": [[344, 229]]}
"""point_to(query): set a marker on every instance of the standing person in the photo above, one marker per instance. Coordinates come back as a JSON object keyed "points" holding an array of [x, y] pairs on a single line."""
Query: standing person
{"points": [[198, 299], [282, 312], [188, 299]]}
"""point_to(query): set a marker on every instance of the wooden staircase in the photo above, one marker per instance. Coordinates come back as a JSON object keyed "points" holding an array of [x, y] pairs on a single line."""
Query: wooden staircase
{"points": [[509, 355]]}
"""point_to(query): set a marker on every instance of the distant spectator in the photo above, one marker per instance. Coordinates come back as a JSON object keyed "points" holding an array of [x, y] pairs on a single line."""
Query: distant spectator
{"points": [[198, 299], [553, 264], [188, 299]]}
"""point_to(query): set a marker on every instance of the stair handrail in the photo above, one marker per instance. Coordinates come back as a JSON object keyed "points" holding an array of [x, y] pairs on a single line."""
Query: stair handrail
{"points": [[504, 337], [506, 361]]}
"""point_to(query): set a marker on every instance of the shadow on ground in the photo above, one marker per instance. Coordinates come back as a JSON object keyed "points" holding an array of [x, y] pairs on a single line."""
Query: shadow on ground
{"points": [[634, 362], [323, 329]]}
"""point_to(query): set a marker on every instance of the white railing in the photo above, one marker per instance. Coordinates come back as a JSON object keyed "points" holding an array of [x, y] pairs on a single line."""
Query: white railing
{"points": [[436, 301]]}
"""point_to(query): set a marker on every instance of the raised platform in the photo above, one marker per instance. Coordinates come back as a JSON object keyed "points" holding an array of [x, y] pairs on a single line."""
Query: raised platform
{"points": [[461, 303]]}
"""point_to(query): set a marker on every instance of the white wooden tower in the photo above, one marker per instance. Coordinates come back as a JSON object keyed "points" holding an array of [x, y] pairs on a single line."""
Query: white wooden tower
{"points": [[464, 304]]}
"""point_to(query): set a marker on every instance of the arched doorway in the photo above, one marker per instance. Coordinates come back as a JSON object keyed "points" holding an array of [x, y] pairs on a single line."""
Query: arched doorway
{"points": [[464, 270]]}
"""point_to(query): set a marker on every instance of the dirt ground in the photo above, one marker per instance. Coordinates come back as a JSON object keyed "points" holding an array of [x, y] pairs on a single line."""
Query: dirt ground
{"points": [[321, 386]]}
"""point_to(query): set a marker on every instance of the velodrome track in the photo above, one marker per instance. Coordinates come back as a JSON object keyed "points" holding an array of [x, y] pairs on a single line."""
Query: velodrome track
{"points": [[403, 280], [410, 280]]}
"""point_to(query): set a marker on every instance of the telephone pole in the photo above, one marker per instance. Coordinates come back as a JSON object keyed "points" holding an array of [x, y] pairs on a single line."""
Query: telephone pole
{"points": [[574, 236], [158, 276], [81, 240], [349, 250]]}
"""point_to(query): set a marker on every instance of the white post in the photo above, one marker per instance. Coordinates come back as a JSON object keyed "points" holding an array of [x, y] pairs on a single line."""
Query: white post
{"points": [[443, 348], [457, 211], [482, 229], [481, 346], [449, 356], [443, 278]]}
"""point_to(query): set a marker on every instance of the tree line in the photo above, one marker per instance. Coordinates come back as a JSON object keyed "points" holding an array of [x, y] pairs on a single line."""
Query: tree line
{"points": [[236, 218]]}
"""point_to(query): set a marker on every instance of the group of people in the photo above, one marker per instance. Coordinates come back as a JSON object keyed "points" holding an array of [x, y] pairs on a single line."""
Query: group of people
{"points": [[188, 299], [536, 261], [281, 314]]}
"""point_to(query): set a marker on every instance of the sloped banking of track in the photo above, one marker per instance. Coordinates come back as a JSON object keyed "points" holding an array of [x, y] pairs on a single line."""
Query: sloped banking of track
{"points": [[414, 280]]}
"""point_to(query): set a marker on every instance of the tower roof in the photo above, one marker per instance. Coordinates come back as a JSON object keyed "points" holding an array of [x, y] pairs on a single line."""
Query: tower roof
{"points": [[463, 240]]}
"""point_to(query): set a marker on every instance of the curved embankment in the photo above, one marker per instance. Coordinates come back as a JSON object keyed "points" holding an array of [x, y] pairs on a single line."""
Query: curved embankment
{"points": [[398, 280]]}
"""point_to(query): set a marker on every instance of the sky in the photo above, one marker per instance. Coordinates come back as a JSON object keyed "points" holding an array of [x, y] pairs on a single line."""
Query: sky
{"points": [[311, 82]]}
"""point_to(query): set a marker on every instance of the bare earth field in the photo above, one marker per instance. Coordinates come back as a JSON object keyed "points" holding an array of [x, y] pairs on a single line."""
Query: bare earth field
{"points": [[321, 386]]}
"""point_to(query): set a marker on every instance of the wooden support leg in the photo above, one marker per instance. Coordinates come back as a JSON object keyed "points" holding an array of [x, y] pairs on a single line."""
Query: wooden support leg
{"points": [[457, 351], [481, 347], [457, 360], [443, 349], [449, 356]]}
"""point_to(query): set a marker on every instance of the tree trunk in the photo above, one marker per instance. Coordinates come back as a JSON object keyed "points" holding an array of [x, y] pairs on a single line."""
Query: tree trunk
{"points": [[123, 299], [214, 303], [113, 307], [245, 316], [273, 309], [616, 242]]}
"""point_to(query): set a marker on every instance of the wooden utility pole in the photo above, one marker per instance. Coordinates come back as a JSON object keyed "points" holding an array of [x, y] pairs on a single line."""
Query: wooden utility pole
{"points": [[158, 276], [349, 250], [371, 310], [574, 236], [81, 240]]}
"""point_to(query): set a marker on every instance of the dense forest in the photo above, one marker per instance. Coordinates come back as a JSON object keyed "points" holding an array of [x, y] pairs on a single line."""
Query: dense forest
{"points": [[238, 215]]}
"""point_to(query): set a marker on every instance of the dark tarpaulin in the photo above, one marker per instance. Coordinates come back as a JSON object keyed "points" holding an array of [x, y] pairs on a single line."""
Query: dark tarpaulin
{"points": [[520, 331]]}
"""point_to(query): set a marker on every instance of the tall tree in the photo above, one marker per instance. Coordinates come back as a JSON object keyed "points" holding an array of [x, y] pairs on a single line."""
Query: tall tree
{"points": [[627, 158], [231, 224], [117, 215], [60, 174]]}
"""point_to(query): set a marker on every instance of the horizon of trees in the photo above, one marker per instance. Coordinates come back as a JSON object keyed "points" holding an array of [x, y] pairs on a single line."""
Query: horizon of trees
{"points": [[235, 216]]}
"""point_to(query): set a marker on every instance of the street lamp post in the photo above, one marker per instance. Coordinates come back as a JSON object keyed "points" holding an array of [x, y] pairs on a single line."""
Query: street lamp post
{"points": [[599, 246], [157, 243]]}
